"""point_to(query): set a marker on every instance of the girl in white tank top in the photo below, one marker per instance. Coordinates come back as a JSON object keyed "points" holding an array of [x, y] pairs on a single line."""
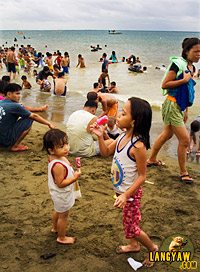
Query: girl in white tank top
{"points": [[61, 178], [129, 169]]}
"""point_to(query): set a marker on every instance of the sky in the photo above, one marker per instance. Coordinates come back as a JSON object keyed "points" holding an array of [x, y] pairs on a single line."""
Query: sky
{"points": [[179, 15]]}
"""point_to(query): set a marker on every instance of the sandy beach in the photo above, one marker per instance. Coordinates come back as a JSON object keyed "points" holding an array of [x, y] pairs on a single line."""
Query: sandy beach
{"points": [[168, 207]]}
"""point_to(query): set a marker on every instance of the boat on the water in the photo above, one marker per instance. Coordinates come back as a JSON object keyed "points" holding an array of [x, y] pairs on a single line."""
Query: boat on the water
{"points": [[114, 32]]}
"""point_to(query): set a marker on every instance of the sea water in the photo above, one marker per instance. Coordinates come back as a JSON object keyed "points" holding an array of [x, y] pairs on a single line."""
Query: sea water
{"points": [[154, 48]]}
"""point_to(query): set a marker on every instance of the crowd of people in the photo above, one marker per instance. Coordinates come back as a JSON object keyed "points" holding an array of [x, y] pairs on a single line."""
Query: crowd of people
{"points": [[126, 134]]}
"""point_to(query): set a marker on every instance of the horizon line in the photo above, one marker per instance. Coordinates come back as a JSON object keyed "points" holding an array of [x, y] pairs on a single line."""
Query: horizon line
{"points": [[98, 30]]}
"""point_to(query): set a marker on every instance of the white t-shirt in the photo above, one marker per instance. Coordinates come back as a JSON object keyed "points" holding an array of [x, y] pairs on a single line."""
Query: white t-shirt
{"points": [[81, 142]]}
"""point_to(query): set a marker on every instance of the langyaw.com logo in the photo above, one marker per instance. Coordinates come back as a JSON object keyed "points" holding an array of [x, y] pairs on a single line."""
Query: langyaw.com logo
{"points": [[176, 250]]}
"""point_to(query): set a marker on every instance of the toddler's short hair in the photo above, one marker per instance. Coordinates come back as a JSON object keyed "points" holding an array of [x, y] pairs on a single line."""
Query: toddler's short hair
{"points": [[54, 138]]}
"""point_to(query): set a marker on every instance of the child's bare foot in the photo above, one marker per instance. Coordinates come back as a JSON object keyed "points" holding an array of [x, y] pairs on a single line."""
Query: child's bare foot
{"points": [[44, 108], [147, 262], [66, 240], [54, 230], [128, 248]]}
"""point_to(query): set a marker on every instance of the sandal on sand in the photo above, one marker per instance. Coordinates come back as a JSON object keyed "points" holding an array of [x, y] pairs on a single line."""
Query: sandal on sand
{"points": [[187, 181], [21, 148], [158, 163]]}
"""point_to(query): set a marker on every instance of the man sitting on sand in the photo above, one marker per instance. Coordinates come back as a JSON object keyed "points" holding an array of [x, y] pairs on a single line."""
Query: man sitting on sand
{"points": [[13, 129], [108, 101], [60, 87], [81, 139]]}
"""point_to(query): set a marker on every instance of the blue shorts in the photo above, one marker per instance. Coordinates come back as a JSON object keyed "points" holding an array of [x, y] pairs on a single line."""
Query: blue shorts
{"points": [[11, 67], [19, 127], [65, 69], [63, 94]]}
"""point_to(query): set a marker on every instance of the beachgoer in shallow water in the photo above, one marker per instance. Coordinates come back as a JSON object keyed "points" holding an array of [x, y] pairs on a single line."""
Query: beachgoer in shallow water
{"points": [[56, 70], [65, 63], [10, 58], [81, 61], [61, 178], [25, 83], [108, 101], [113, 88], [104, 68], [43, 75], [58, 60], [96, 87], [175, 119], [102, 80], [60, 87], [49, 61], [128, 170], [35, 73], [113, 57]]}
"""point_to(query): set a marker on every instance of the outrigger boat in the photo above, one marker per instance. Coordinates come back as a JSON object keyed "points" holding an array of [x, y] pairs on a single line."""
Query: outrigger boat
{"points": [[114, 32]]}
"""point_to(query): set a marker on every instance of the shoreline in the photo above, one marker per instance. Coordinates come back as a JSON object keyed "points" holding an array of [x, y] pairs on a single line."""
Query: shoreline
{"points": [[167, 207]]}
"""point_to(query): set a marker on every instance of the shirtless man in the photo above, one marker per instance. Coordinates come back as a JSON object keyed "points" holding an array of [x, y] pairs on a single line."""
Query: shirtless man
{"points": [[102, 80], [81, 61], [65, 62], [113, 88], [108, 101], [10, 58], [60, 85], [96, 87], [49, 61]]}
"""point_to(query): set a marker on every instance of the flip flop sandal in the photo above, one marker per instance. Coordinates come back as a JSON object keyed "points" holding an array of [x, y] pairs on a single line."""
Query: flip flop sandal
{"points": [[187, 181], [158, 163], [21, 148]]}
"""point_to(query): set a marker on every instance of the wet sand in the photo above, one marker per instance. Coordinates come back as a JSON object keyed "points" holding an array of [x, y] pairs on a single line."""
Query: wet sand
{"points": [[168, 207]]}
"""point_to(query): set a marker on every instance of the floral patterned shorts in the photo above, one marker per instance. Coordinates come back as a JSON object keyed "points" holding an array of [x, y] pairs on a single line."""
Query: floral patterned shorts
{"points": [[132, 216]]}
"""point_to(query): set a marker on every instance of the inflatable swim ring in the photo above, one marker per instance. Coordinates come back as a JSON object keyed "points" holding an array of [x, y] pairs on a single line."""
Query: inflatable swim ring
{"points": [[136, 68]]}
